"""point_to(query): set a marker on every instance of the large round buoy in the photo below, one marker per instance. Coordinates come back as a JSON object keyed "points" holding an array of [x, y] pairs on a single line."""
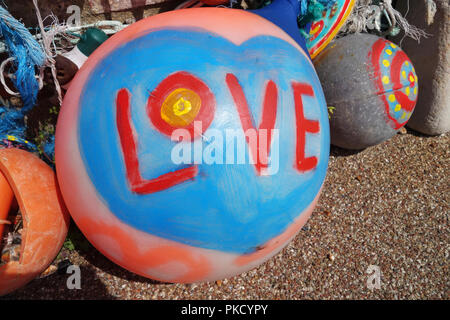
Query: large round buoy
{"points": [[193, 144], [371, 87]]}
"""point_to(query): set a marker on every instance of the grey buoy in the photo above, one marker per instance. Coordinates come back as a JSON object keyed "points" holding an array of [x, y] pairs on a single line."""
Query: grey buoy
{"points": [[371, 85]]}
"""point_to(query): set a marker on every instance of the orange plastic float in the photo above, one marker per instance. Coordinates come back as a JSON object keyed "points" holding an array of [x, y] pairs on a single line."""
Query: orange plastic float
{"points": [[6, 199], [45, 218]]}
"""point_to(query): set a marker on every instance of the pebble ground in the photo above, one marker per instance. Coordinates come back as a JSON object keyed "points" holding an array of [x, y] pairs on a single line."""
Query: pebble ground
{"points": [[386, 206]]}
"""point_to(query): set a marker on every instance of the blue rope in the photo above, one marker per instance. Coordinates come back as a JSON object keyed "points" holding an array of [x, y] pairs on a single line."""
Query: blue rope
{"points": [[303, 7], [308, 5], [311, 10], [28, 55], [11, 140]]}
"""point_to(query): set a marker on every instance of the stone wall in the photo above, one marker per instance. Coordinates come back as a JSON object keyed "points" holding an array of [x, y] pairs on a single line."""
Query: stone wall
{"points": [[24, 9], [431, 58]]}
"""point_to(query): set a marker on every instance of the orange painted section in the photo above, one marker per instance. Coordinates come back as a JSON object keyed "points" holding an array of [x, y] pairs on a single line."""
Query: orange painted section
{"points": [[45, 218], [197, 265], [6, 198]]}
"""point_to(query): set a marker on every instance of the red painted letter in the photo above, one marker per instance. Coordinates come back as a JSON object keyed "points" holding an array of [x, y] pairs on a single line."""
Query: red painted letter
{"points": [[269, 114], [128, 139], [303, 125]]}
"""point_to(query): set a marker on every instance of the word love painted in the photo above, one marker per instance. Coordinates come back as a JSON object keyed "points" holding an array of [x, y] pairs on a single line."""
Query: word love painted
{"points": [[184, 101], [241, 309]]}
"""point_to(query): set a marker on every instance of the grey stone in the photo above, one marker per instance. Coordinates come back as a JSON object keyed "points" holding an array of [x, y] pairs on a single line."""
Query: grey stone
{"points": [[431, 57]]}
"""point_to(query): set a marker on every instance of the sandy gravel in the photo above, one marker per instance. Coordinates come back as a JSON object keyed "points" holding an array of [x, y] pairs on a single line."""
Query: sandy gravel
{"points": [[386, 206]]}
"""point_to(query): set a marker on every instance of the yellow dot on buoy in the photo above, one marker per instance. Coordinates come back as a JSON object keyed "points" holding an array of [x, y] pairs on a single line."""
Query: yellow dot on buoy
{"points": [[403, 115], [407, 64], [386, 63], [415, 78], [411, 78], [180, 107], [385, 79], [389, 52], [391, 98], [415, 90], [404, 74], [407, 91], [393, 46], [398, 107]]}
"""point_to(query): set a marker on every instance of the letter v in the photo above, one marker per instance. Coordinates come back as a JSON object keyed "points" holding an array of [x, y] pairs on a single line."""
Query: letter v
{"points": [[269, 114]]}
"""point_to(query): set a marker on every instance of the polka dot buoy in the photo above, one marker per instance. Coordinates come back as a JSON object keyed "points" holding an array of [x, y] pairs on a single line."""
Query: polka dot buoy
{"points": [[151, 154], [323, 30], [371, 89]]}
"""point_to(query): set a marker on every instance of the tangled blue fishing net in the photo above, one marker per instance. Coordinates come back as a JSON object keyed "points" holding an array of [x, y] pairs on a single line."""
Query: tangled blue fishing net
{"points": [[28, 57]]}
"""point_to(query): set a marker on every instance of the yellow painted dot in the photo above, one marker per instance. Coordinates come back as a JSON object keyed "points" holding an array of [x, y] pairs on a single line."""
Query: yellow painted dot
{"points": [[407, 63], [386, 63], [389, 52], [180, 107], [415, 78], [385, 79], [404, 74], [407, 91], [403, 115], [415, 90], [391, 98], [393, 46], [398, 107], [411, 78]]}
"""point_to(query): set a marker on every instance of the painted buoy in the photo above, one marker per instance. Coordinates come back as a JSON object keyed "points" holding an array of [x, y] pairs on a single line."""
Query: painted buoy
{"points": [[372, 86], [151, 154], [45, 219], [322, 31]]}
